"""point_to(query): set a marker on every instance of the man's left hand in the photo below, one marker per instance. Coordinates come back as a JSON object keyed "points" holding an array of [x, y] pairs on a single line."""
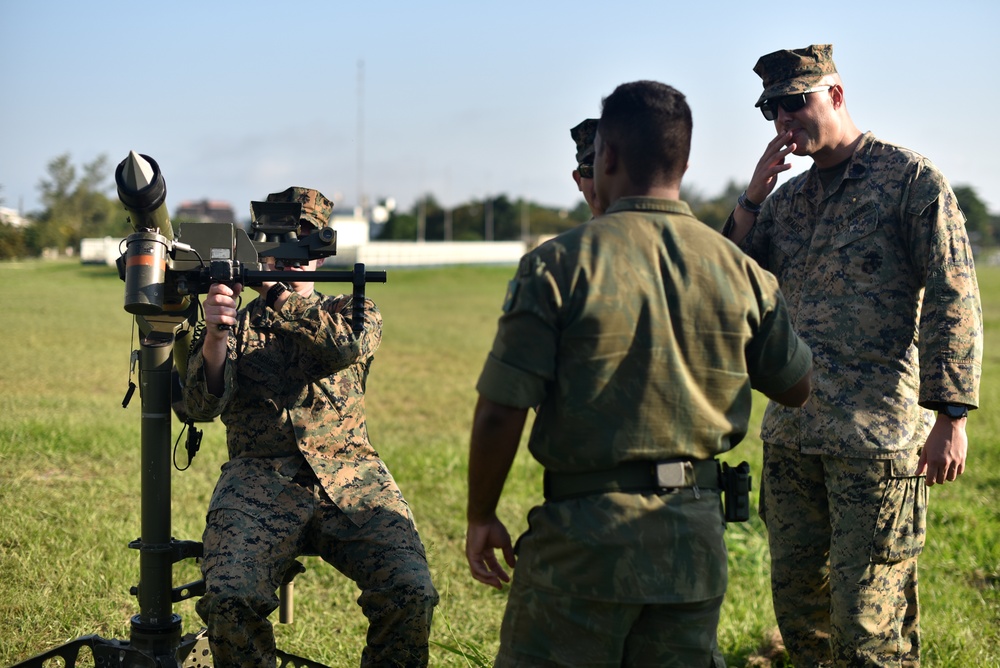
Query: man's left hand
{"points": [[943, 455]]}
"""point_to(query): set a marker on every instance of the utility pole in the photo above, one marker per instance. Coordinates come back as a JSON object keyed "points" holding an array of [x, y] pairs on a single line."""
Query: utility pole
{"points": [[422, 219], [488, 214], [361, 137]]}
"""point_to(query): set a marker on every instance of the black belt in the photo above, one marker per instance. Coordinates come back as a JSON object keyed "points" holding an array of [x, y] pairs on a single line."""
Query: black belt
{"points": [[634, 477]]}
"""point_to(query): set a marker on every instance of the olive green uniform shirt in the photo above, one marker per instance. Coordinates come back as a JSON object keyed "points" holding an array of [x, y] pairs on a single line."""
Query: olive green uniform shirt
{"points": [[638, 336], [879, 277]]}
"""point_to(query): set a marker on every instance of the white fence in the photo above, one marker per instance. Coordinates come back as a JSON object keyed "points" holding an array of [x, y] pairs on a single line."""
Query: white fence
{"points": [[431, 253]]}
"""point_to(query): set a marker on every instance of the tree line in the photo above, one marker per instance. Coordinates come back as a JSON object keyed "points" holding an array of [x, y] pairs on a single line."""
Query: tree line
{"points": [[79, 203]]}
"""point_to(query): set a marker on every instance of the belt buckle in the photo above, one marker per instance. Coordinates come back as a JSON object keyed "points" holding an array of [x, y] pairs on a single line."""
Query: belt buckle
{"points": [[673, 474]]}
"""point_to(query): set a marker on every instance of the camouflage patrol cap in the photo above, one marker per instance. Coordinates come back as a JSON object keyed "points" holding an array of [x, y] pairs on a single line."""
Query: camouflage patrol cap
{"points": [[787, 72], [583, 135], [316, 209]]}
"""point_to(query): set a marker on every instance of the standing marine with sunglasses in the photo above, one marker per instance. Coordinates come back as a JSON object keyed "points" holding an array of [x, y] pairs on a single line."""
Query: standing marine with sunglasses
{"points": [[583, 135], [870, 248]]}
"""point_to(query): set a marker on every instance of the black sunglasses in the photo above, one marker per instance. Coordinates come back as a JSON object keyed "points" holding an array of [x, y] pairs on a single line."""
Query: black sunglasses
{"points": [[790, 103], [586, 170]]}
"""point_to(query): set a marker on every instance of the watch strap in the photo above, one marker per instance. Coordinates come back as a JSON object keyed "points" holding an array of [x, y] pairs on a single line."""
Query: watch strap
{"points": [[954, 411], [748, 205], [273, 293]]}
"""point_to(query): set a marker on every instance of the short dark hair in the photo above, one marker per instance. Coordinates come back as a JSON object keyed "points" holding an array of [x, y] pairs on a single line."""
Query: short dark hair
{"points": [[649, 123]]}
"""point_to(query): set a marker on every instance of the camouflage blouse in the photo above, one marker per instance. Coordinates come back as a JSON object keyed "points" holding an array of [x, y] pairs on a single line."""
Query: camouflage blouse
{"points": [[879, 277], [294, 392]]}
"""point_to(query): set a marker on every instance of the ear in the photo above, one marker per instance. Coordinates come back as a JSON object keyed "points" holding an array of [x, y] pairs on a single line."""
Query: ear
{"points": [[837, 96], [576, 179], [610, 158]]}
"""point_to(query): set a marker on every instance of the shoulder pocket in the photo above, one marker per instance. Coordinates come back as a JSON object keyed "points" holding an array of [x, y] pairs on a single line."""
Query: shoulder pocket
{"points": [[333, 398]]}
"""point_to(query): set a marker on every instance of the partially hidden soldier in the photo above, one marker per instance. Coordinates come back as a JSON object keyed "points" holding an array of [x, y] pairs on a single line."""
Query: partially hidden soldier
{"points": [[638, 337], [287, 376], [870, 248], [583, 136]]}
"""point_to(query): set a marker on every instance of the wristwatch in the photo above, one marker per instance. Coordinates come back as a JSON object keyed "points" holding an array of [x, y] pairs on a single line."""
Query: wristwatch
{"points": [[955, 411], [747, 205], [273, 293]]}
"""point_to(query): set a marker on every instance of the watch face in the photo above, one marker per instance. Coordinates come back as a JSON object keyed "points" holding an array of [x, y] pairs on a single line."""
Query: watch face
{"points": [[956, 411]]}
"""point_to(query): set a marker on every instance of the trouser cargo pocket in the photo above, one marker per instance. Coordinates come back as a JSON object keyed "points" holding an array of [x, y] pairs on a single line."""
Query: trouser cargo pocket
{"points": [[901, 528]]}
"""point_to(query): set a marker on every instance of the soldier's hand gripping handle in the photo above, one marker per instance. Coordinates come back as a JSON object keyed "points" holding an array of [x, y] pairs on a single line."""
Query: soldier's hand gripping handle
{"points": [[220, 307]]}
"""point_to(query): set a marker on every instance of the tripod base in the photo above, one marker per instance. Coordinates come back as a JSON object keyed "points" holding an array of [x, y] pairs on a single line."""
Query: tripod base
{"points": [[191, 652]]}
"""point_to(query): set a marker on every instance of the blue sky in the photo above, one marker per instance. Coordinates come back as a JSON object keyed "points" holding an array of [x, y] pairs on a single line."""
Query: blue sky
{"points": [[463, 100]]}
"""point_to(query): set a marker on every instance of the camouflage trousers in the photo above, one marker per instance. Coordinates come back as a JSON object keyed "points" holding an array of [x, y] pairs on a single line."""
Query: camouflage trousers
{"points": [[543, 629], [248, 550], [844, 536]]}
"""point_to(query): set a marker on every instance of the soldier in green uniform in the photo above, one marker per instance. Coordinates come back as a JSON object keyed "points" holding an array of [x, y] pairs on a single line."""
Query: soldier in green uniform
{"points": [[583, 135], [288, 379], [637, 336], [870, 248]]}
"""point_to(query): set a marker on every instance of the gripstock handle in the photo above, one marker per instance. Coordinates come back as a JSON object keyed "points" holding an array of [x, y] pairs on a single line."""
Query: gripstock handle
{"points": [[358, 278]]}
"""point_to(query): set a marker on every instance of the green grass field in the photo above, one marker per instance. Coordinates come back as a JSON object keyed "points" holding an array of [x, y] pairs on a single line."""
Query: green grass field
{"points": [[69, 479]]}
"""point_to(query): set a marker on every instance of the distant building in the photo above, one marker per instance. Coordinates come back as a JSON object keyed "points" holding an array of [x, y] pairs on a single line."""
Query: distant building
{"points": [[205, 211], [101, 251], [352, 227], [13, 218]]}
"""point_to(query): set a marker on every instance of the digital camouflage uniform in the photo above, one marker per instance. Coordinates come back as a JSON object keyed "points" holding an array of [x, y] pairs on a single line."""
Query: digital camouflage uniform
{"points": [[638, 337], [303, 477], [878, 274]]}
